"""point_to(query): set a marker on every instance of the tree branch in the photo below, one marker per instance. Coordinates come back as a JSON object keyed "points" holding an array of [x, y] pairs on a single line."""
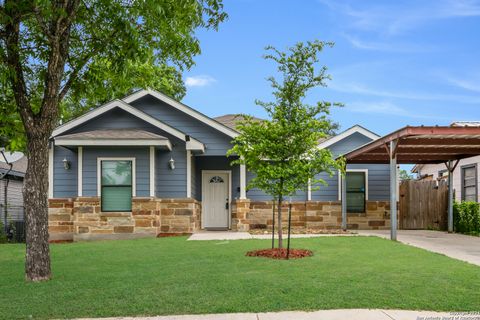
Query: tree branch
{"points": [[13, 61]]}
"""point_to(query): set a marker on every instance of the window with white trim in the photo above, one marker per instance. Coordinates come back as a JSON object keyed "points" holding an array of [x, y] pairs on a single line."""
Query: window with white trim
{"points": [[356, 191], [469, 183], [116, 185]]}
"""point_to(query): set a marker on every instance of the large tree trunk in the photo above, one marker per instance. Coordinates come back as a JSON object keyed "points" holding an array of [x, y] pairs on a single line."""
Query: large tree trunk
{"points": [[35, 194], [279, 227]]}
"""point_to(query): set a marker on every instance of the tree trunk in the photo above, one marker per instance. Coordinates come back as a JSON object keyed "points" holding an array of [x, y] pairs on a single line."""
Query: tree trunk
{"points": [[279, 226], [35, 194]]}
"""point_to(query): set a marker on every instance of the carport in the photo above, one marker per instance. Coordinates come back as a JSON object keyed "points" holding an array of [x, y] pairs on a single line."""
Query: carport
{"points": [[415, 145]]}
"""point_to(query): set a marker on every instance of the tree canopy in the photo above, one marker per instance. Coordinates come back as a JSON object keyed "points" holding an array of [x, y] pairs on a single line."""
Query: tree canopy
{"points": [[283, 151]]}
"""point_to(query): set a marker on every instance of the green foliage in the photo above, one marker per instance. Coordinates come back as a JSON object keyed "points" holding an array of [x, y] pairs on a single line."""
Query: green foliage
{"points": [[282, 151], [466, 217], [98, 50], [3, 235], [404, 175]]}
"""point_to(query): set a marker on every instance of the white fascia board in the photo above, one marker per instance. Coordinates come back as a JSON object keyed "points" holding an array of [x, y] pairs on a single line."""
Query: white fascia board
{"points": [[186, 109], [112, 142], [195, 145], [347, 133]]}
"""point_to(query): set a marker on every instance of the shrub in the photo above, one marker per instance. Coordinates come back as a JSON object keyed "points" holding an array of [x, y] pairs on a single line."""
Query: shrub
{"points": [[466, 217], [3, 235]]}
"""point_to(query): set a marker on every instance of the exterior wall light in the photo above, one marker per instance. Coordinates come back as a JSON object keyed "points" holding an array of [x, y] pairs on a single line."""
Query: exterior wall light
{"points": [[171, 163], [66, 164]]}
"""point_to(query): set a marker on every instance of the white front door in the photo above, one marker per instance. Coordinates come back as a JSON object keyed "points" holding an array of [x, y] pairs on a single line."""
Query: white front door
{"points": [[215, 199]]}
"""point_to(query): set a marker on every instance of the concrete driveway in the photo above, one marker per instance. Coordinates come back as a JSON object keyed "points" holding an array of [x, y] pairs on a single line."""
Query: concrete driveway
{"points": [[457, 246]]}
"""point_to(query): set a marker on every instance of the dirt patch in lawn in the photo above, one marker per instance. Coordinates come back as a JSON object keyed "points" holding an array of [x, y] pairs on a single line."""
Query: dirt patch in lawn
{"points": [[280, 253]]}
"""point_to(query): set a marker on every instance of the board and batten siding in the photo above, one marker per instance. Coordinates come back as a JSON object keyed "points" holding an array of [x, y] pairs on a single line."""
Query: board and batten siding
{"points": [[216, 142]]}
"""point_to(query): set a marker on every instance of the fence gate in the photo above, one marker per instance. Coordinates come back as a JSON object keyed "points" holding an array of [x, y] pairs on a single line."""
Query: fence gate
{"points": [[423, 205]]}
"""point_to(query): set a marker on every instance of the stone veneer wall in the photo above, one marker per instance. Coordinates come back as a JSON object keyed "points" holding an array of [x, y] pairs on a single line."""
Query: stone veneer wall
{"points": [[248, 215], [82, 219]]}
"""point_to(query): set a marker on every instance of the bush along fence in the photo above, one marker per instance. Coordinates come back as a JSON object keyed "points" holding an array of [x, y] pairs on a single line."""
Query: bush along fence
{"points": [[466, 217]]}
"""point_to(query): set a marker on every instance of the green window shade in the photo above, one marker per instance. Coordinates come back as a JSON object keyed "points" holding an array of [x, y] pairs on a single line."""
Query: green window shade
{"points": [[116, 198], [116, 182], [355, 192]]}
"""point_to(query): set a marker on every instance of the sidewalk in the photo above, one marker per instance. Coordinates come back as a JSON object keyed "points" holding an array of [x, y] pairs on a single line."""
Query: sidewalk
{"points": [[341, 314]]}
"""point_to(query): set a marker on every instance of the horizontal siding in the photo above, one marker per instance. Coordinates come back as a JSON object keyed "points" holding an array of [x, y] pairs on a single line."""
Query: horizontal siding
{"points": [[141, 155], [378, 174], [217, 143], [115, 119], [171, 183], [216, 163], [12, 204], [64, 181], [256, 194]]}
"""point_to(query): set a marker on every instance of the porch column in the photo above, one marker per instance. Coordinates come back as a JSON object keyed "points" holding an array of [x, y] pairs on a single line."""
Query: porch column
{"points": [[243, 181], [189, 173], [450, 196], [344, 201], [309, 190], [393, 191], [80, 172], [152, 171]]}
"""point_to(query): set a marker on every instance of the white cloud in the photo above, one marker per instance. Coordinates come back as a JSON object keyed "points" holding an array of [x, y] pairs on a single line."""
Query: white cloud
{"points": [[385, 46], [394, 19], [388, 108], [368, 91], [470, 85], [199, 81]]}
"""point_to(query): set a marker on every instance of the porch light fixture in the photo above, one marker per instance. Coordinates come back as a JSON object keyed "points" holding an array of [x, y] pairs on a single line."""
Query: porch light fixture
{"points": [[66, 164], [171, 164]]}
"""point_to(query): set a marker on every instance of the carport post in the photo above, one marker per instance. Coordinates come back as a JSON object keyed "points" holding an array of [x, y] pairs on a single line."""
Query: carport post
{"points": [[344, 200], [393, 191], [450, 196]]}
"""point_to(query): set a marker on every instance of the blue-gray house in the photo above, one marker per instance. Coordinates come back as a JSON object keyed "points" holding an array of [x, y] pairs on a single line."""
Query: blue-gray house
{"points": [[148, 165]]}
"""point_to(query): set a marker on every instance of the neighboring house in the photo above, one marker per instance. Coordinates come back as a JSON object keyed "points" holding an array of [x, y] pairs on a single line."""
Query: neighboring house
{"points": [[11, 183], [148, 165], [465, 175]]}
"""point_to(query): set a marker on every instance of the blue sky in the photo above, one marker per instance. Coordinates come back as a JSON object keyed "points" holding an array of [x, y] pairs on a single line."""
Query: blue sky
{"points": [[394, 62]]}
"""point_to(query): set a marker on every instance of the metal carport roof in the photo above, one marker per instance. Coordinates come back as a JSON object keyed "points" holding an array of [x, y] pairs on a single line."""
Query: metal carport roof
{"points": [[412, 145]]}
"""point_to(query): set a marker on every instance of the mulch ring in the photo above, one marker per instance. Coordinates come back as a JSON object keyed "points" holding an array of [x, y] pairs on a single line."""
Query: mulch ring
{"points": [[280, 253]]}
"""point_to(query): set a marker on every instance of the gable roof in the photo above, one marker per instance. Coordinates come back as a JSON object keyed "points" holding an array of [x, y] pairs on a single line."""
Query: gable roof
{"points": [[355, 129], [19, 167], [183, 108], [192, 143], [231, 120]]}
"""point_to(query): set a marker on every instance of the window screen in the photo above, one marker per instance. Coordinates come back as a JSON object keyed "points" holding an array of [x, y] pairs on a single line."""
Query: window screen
{"points": [[355, 192], [116, 185], [469, 183]]}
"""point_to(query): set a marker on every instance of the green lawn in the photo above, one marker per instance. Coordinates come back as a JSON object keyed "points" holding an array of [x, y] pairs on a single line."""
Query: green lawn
{"points": [[174, 276]]}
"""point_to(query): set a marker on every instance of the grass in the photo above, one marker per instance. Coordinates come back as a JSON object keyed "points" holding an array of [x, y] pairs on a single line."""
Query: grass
{"points": [[174, 276]]}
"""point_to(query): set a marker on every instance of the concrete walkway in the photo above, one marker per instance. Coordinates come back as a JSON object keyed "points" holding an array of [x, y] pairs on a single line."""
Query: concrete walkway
{"points": [[342, 314], [454, 245]]}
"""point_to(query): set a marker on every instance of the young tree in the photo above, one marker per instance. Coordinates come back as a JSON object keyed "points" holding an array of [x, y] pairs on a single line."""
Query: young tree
{"points": [[53, 53], [282, 152]]}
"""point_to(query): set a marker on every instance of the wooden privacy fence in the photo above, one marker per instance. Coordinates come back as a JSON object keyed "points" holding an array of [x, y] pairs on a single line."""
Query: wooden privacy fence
{"points": [[423, 204]]}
